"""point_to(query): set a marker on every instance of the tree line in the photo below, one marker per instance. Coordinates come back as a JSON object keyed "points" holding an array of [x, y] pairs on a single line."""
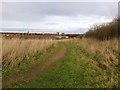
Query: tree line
{"points": [[104, 31]]}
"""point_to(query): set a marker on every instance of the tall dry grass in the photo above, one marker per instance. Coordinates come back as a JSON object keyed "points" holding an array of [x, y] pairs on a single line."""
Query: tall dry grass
{"points": [[106, 50], [16, 49], [104, 55]]}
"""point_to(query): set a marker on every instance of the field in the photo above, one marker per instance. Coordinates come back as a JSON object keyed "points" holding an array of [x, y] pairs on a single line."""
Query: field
{"points": [[65, 63], [59, 44]]}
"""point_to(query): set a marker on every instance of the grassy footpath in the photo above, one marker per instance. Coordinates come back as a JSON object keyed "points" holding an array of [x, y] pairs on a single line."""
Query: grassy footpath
{"points": [[30, 62], [77, 69]]}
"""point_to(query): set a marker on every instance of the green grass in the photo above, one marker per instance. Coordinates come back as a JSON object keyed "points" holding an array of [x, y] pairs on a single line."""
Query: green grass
{"points": [[77, 69], [29, 62]]}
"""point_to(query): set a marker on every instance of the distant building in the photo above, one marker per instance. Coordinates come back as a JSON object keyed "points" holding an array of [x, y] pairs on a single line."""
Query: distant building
{"points": [[61, 36], [66, 37]]}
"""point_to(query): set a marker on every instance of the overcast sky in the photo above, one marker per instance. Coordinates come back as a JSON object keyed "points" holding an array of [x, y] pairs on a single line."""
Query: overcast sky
{"points": [[67, 17]]}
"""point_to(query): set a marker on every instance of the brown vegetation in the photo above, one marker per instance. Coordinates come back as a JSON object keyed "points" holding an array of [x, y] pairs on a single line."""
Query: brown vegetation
{"points": [[16, 49], [106, 51], [104, 31]]}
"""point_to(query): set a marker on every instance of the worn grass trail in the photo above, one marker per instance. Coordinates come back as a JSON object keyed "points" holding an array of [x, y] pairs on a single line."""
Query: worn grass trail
{"points": [[74, 69], [66, 73], [37, 70]]}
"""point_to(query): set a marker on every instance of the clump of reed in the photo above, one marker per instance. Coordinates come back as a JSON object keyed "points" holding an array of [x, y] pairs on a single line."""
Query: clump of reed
{"points": [[16, 49]]}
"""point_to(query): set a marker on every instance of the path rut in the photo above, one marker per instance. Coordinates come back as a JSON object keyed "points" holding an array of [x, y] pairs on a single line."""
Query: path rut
{"points": [[37, 70]]}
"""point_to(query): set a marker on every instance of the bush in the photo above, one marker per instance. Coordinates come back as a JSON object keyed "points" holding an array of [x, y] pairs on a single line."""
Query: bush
{"points": [[104, 31]]}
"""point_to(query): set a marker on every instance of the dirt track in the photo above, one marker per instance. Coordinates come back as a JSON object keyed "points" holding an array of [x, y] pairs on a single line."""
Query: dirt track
{"points": [[37, 70]]}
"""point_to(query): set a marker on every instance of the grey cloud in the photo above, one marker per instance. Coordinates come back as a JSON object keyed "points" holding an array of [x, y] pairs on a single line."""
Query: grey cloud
{"points": [[47, 13], [34, 11], [51, 23]]}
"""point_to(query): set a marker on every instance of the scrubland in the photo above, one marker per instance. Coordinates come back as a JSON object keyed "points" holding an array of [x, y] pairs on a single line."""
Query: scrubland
{"points": [[16, 49], [105, 58], [107, 49], [89, 61]]}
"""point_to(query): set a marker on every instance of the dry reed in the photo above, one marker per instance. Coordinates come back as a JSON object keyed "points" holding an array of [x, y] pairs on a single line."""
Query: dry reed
{"points": [[16, 48], [108, 49]]}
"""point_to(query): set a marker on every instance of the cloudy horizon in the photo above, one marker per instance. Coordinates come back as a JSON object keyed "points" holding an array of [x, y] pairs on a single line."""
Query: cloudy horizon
{"points": [[67, 17]]}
